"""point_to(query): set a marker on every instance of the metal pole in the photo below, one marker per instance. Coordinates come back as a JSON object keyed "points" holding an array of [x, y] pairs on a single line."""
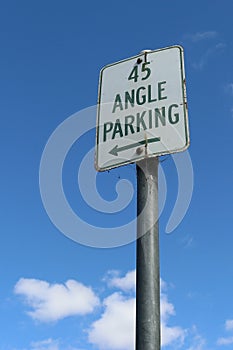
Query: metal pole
{"points": [[148, 275]]}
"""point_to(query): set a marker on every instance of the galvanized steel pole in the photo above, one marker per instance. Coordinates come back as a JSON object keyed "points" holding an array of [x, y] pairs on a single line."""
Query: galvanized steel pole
{"points": [[148, 273]]}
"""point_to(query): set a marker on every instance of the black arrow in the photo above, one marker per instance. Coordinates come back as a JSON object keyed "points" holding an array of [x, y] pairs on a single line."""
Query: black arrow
{"points": [[117, 149]]}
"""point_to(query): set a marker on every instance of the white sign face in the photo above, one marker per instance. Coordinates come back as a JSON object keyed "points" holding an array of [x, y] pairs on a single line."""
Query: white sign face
{"points": [[142, 108]]}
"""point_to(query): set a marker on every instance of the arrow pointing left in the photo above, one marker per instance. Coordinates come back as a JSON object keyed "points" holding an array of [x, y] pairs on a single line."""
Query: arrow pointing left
{"points": [[115, 150]]}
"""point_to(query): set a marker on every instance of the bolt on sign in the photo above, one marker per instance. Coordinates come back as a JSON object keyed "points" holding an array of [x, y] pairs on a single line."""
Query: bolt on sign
{"points": [[142, 108]]}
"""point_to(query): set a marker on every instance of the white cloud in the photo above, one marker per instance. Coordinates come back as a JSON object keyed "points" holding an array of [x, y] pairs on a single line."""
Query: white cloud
{"points": [[205, 54], [126, 283], [229, 325], [226, 340], [163, 285], [229, 88], [197, 342], [187, 241], [52, 302], [204, 58], [115, 329], [199, 36], [169, 334], [48, 344]]}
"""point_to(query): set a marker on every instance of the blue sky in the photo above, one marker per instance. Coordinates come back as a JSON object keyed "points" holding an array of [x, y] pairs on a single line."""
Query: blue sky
{"points": [[57, 294]]}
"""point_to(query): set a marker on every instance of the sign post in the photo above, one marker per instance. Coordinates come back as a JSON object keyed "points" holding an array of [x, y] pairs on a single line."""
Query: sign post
{"points": [[142, 114], [147, 272]]}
